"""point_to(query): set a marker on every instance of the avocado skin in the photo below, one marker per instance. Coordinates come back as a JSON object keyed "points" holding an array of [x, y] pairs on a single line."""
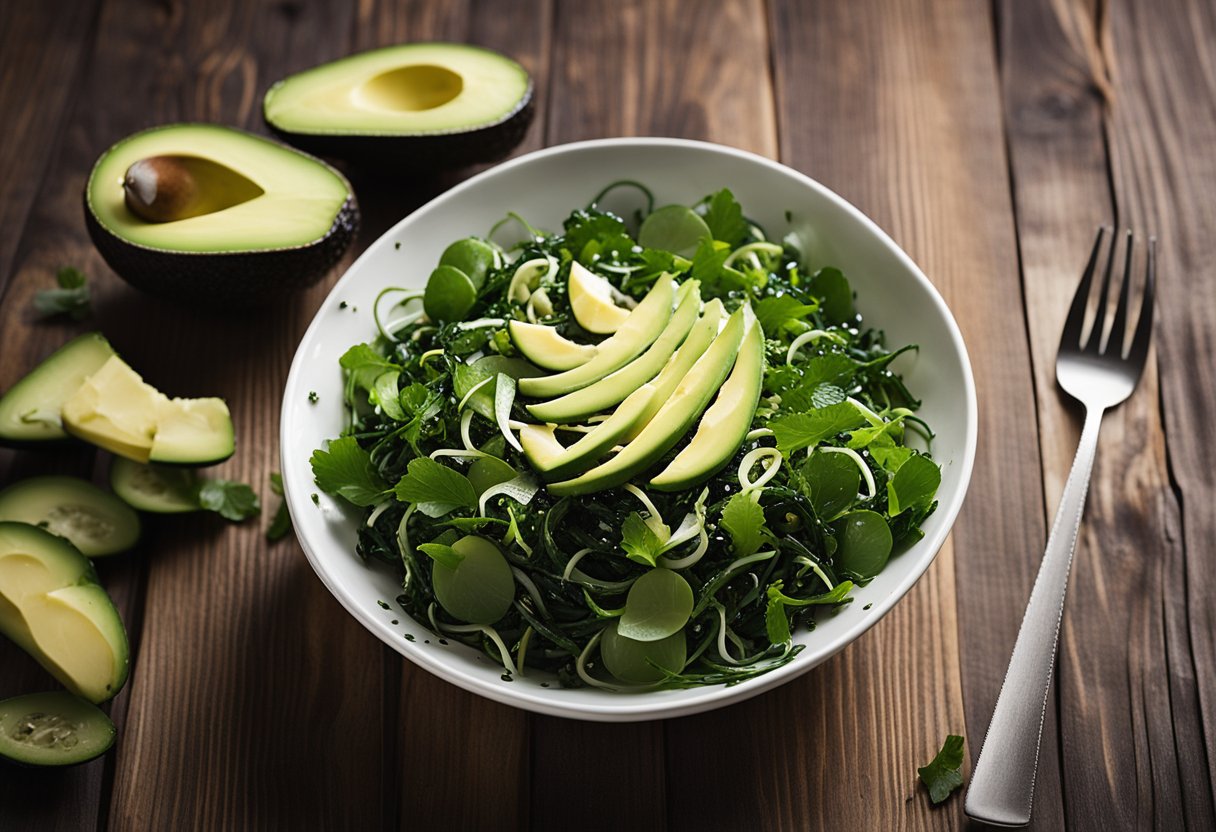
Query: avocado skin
{"points": [[225, 279], [456, 148]]}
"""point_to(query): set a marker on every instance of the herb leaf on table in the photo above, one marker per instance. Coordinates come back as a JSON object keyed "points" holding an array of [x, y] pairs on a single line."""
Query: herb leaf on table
{"points": [[942, 776]]}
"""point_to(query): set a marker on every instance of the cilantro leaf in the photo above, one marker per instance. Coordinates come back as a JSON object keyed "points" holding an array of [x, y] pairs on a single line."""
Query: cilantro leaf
{"points": [[914, 484], [724, 216], [743, 519], [708, 262], [346, 469], [233, 501], [890, 457], [435, 488], [585, 227], [640, 542], [796, 431], [365, 365], [71, 298], [942, 776], [775, 312]]}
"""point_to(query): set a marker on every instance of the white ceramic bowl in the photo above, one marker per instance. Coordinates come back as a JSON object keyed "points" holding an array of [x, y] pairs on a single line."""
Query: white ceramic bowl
{"points": [[544, 187]]}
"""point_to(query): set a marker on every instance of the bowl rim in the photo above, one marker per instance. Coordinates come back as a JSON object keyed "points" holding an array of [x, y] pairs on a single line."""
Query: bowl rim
{"points": [[639, 707]]}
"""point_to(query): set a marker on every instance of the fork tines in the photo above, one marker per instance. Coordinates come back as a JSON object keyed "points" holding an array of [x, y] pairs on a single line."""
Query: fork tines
{"points": [[1093, 343]]}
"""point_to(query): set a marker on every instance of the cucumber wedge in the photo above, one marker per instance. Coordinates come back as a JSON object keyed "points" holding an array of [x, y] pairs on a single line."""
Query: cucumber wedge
{"points": [[53, 729], [97, 523], [30, 411], [158, 489]]}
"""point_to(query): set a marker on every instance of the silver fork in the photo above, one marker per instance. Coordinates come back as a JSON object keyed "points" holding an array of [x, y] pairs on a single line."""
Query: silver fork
{"points": [[1100, 376]]}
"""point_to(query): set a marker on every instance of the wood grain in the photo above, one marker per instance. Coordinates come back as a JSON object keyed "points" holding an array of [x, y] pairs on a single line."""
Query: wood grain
{"points": [[1126, 679], [1161, 131], [893, 105]]}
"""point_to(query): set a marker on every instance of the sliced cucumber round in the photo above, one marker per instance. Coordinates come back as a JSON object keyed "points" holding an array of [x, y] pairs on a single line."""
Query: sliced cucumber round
{"points": [[53, 729], [154, 488], [97, 523]]}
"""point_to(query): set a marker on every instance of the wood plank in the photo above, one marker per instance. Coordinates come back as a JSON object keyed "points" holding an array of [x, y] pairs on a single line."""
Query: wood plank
{"points": [[432, 771], [615, 73], [1161, 131], [1126, 679], [237, 714], [44, 46], [894, 105]]}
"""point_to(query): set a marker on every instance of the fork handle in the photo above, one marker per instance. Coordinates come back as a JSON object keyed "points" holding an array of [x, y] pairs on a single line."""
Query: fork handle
{"points": [[1002, 785]]}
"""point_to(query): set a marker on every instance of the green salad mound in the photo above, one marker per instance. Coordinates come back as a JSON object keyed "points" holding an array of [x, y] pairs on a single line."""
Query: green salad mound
{"points": [[636, 453]]}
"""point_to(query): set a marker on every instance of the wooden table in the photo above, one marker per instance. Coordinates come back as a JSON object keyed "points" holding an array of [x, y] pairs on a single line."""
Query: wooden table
{"points": [[988, 138]]}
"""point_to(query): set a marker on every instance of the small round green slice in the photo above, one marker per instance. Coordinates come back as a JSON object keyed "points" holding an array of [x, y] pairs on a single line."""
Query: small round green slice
{"points": [[472, 256], [630, 660], [865, 543], [489, 471], [53, 729], [480, 588], [449, 294], [674, 228], [658, 605]]}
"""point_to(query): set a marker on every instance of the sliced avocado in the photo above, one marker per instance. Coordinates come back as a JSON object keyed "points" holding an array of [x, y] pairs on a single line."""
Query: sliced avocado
{"points": [[726, 422], [116, 410], [413, 106], [612, 389], [30, 410], [672, 421], [644, 325], [592, 303], [208, 215], [97, 523], [694, 346], [155, 488], [53, 608], [587, 451], [53, 729], [544, 347]]}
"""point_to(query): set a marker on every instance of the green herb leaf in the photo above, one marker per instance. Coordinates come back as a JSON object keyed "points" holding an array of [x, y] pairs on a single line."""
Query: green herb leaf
{"points": [[831, 285], [276, 483], [345, 469], [281, 524], [796, 431], [658, 604], [777, 623], [865, 544], [884, 434], [233, 501], [943, 775], [365, 365], [830, 481], [441, 553], [707, 262], [71, 298], [891, 457], [640, 542], [743, 519], [776, 312], [435, 488], [385, 393], [914, 484], [724, 216]]}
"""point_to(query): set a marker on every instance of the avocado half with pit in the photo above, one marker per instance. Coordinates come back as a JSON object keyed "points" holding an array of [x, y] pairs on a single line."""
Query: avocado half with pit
{"points": [[416, 106], [208, 215]]}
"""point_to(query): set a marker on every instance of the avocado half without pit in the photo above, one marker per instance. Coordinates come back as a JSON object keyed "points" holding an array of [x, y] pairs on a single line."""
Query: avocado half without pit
{"points": [[416, 106], [209, 215]]}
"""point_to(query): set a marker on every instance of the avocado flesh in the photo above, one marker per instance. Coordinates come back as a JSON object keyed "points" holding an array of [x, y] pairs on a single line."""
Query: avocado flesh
{"points": [[30, 410], [96, 522], [671, 422], [592, 303], [545, 347], [299, 201], [641, 328], [117, 410], [53, 608], [405, 90], [592, 446], [614, 388], [725, 424], [702, 335]]}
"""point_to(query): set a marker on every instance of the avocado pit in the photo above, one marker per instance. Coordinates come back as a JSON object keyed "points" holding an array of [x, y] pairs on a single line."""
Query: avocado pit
{"points": [[170, 188]]}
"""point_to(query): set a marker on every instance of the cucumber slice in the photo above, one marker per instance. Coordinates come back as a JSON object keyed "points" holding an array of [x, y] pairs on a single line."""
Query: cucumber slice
{"points": [[30, 411], [155, 488], [53, 729], [53, 608], [97, 523]]}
